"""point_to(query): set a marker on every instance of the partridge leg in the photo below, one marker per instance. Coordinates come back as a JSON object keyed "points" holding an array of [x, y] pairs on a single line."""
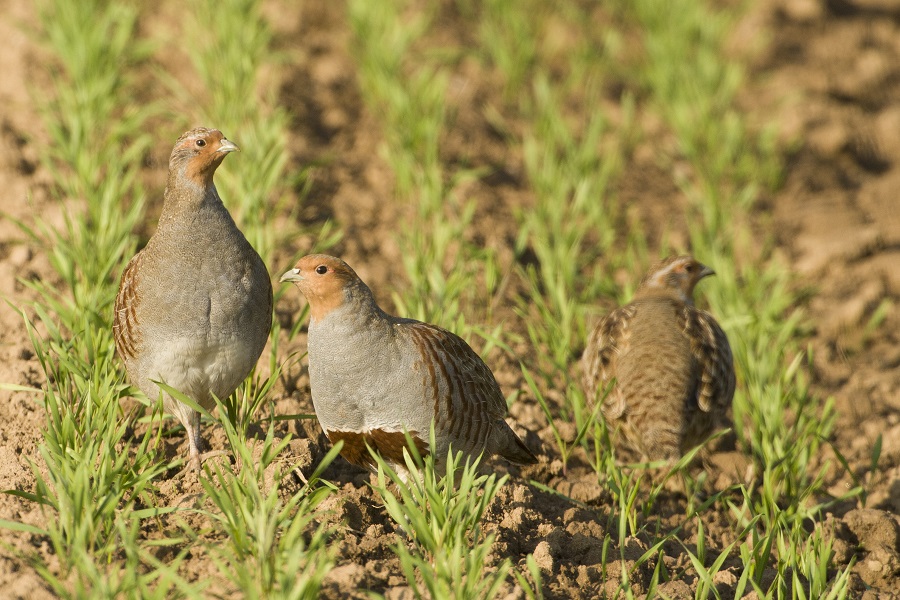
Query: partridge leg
{"points": [[195, 442]]}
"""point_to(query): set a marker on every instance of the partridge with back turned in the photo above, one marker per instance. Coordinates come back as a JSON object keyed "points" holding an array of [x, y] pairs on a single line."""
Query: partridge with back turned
{"points": [[672, 364]]}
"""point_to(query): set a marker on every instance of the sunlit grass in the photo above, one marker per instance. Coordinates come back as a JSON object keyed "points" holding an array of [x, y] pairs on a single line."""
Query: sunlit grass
{"points": [[444, 267], [274, 548], [228, 59], [440, 514]]}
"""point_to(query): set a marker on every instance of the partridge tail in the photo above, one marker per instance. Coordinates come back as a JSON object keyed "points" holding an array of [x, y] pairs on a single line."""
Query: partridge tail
{"points": [[510, 447]]}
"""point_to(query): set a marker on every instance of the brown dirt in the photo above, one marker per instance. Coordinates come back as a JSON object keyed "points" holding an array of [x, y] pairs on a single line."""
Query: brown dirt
{"points": [[830, 77]]}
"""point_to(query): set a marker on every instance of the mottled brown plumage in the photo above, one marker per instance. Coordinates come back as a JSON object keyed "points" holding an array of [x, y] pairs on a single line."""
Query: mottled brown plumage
{"points": [[672, 364], [374, 376], [194, 306]]}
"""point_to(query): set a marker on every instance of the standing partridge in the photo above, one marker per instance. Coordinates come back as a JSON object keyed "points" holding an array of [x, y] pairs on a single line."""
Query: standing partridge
{"points": [[672, 365], [194, 307], [374, 376]]}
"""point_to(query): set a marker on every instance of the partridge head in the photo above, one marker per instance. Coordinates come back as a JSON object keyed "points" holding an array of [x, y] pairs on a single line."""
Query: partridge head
{"points": [[374, 376], [671, 362], [194, 306], [675, 276]]}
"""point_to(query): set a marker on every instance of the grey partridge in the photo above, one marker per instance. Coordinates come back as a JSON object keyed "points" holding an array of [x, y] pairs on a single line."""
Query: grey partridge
{"points": [[194, 307], [672, 364], [373, 376]]}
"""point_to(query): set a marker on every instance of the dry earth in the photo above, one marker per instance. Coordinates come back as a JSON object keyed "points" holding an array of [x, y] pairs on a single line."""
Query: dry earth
{"points": [[829, 73]]}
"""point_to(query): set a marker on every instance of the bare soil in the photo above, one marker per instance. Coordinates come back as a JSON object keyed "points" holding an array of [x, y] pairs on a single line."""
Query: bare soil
{"points": [[828, 74]]}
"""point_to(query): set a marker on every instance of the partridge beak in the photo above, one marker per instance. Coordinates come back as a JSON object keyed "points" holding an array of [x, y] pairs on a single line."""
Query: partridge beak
{"points": [[292, 275], [705, 272], [226, 146]]}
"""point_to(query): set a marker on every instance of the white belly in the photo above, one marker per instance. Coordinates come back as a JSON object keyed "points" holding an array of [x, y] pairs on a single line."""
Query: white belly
{"points": [[198, 368]]}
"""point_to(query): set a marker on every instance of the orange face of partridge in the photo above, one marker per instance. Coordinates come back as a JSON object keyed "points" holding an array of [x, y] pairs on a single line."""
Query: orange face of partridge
{"points": [[678, 274], [200, 151], [322, 279]]}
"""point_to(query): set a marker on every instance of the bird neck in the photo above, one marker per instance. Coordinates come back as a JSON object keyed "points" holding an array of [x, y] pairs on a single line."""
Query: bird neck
{"points": [[186, 196], [669, 293], [354, 307]]}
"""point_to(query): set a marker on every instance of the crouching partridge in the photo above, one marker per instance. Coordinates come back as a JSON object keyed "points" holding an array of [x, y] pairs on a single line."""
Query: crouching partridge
{"points": [[672, 365], [194, 307], [374, 376]]}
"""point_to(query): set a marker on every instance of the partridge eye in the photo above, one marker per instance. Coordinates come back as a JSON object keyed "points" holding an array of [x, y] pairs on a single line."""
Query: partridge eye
{"points": [[201, 143], [321, 269]]}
